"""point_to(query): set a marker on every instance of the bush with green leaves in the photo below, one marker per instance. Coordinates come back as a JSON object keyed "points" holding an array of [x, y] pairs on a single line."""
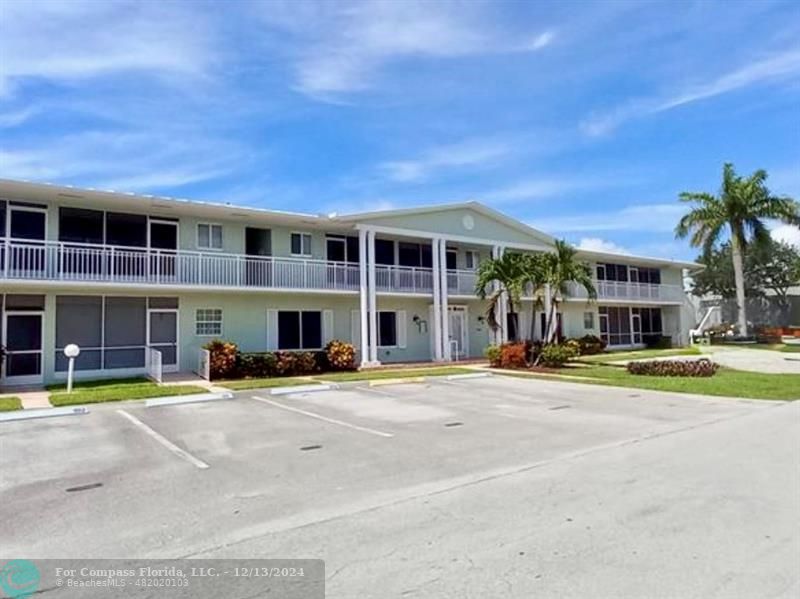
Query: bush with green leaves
{"points": [[702, 367], [492, 354], [590, 345], [556, 355]]}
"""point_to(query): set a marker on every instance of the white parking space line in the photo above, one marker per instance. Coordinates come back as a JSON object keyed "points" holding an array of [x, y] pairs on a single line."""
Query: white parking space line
{"points": [[164, 441], [363, 429]]}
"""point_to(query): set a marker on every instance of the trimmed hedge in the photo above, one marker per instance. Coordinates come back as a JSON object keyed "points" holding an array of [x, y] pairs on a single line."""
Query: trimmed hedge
{"points": [[702, 367], [227, 362]]}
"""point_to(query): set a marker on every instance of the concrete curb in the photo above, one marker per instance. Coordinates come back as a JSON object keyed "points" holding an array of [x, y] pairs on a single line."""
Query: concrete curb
{"points": [[175, 400], [476, 375], [300, 389], [42, 413], [397, 381]]}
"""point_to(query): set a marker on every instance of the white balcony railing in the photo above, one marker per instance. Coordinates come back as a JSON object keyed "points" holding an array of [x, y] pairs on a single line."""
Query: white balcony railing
{"points": [[56, 261], [621, 290]]}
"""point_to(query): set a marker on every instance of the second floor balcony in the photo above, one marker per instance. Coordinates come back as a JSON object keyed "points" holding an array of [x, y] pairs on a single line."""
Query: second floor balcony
{"points": [[70, 262]]}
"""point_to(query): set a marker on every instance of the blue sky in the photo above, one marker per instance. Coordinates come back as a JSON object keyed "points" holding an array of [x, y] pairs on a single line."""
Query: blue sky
{"points": [[584, 119]]}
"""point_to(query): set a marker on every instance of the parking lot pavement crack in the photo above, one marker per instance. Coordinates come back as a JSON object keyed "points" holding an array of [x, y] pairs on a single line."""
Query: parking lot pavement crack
{"points": [[431, 489]]}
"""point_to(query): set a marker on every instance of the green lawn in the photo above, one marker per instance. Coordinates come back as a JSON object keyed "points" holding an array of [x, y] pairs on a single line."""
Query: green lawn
{"points": [[372, 375], [639, 354], [278, 381], [9, 404], [726, 382], [116, 390]]}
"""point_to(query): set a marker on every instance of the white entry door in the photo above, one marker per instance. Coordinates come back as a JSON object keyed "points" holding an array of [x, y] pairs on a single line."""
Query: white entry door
{"points": [[458, 331]]}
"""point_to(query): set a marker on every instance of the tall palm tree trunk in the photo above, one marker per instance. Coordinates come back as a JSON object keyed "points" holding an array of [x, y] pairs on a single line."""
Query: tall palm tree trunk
{"points": [[738, 276]]}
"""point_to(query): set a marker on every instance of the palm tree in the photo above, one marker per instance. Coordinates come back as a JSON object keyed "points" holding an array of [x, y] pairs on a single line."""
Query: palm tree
{"points": [[561, 269], [740, 210], [507, 275]]}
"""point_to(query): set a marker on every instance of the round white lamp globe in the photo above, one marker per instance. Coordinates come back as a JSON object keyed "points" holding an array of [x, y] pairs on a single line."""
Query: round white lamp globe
{"points": [[72, 351]]}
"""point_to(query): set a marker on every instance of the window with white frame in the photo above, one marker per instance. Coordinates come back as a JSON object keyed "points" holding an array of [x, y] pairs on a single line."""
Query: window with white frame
{"points": [[588, 320], [471, 259], [208, 322], [209, 236], [301, 244], [299, 329]]}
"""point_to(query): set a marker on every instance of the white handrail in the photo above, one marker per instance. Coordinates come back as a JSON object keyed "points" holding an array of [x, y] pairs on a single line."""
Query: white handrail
{"points": [[155, 370], [204, 364]]}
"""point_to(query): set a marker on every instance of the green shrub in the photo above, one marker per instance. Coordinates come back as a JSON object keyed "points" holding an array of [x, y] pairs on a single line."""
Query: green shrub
{"points": [[702, 367], [492, 354], [556, 355], [340, 355], [589, 345], [256, 365], [222, 359]]}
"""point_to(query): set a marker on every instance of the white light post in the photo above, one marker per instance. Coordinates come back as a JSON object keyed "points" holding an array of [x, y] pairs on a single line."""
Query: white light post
{"points": [[72, 351]]}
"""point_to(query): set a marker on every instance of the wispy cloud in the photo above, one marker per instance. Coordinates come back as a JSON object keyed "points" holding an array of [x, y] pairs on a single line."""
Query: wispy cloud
{"points": [[474, 153], [342, 47], [773, 68], [645, 218], [597, 244], [123, 161], [77, 39], [555, 186]]}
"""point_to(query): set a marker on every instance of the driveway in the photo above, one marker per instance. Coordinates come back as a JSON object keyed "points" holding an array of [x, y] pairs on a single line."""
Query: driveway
{"points": [[755, 360], [486, 487]]}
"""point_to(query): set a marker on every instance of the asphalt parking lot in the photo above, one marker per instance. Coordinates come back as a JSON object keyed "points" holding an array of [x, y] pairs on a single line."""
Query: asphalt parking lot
{"points": [[452, 488]]}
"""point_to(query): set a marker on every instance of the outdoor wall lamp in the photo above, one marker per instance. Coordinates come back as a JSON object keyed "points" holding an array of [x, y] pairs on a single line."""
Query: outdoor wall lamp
{"points": [[422, 325]]}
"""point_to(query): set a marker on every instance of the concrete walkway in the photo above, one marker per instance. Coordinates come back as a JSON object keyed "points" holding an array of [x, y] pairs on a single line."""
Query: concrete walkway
{"points": [[754, 360], [741, 358], [32, 398]]}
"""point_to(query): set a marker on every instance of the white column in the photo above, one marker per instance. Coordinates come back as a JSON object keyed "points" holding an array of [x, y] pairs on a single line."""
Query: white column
{"points": [[373, 300], [496, 335], [437, 297], [363, 295], [445, 314], [548, 302], [503, 306]]}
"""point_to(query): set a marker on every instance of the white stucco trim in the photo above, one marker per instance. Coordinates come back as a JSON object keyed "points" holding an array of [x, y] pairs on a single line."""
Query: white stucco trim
{"points": [[460, 238]]}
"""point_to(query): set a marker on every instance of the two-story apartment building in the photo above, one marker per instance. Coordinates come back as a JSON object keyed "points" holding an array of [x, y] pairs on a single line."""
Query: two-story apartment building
{"points": [[127, 277]]}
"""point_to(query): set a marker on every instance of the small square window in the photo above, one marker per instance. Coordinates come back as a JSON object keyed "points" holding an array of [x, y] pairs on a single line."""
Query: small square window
{"points": [[208, 322], [588, 320], [301, 244], [209, 236]]}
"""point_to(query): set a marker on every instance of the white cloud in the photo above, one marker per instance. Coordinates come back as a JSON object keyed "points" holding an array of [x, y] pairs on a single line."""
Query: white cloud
{"points": [[467, 154], [341, 47], [77, 39], [123, 161], [769, 69], [644, 218], [787, 234], [596, 244], [537, 188]]}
